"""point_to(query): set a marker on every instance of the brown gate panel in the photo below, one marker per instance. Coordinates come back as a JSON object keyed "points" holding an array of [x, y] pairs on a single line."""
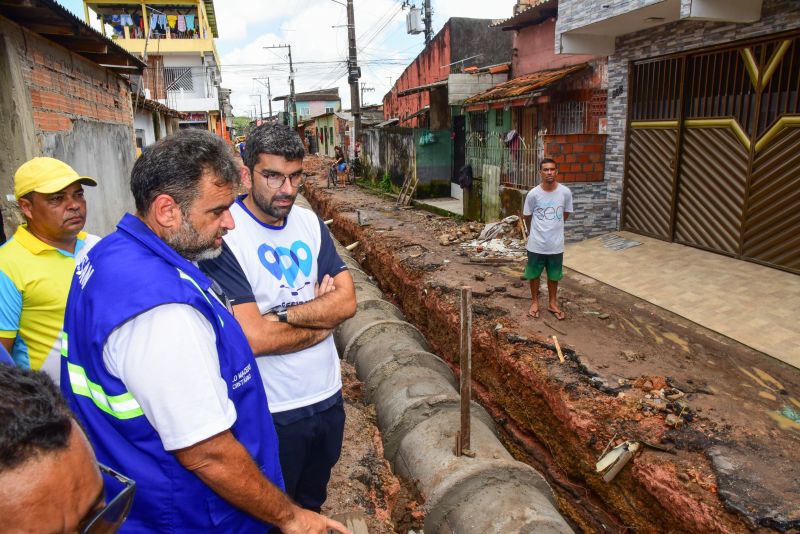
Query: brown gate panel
{"points": [[711, 191], [731, 117], [772, 229], [648, 196]]}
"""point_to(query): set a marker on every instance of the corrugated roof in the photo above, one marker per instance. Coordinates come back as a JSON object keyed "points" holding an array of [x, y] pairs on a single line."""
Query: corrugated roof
{"points": [[421, 88], [212, 17], [537, 10], [55, 23], [311, 96], [523, 85]]}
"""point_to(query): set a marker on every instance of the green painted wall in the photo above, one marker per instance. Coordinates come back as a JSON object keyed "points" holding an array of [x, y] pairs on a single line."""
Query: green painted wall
{"points": [[434, 162]]}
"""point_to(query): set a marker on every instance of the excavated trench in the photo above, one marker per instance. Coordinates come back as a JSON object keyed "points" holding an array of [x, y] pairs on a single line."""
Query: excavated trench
{"points": [[547, 418]]}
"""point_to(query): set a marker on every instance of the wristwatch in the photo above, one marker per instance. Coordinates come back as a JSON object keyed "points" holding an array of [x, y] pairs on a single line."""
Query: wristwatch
{"points": [[283, 314]]}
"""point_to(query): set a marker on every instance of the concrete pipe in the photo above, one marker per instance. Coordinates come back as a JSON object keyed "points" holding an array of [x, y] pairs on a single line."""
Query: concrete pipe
{"points": [[418, 410]]}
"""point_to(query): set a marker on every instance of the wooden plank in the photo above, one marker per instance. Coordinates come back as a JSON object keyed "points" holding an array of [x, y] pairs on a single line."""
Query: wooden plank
{"points": [[356, 522]]}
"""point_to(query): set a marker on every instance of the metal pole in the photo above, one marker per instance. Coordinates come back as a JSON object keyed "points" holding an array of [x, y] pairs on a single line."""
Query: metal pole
{"points": [[269, 98], [466, 364], [291, 108], [428, 29], [353, 74], [292, 104]]}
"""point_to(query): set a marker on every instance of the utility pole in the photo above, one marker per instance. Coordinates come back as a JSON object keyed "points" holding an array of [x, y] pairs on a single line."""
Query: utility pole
{"points": [[353, 74], [269, 93], [428, 29], [364, 89], [260, 106], [292, 109]]}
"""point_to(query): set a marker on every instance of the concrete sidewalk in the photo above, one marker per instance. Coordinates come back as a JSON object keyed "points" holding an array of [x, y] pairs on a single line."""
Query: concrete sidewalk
{"points": [[754, 305]]}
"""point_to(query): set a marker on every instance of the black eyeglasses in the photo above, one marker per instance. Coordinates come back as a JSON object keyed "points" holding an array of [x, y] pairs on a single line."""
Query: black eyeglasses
{"points": [[276, 179], [110, 518]]}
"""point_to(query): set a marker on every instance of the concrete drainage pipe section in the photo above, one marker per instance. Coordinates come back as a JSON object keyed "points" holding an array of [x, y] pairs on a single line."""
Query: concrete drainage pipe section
{"points": [[418, 408]]}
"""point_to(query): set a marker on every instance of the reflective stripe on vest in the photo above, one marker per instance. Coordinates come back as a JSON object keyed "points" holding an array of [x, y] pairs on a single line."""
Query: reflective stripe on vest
{"points": [[185, 276], [120, 406]]}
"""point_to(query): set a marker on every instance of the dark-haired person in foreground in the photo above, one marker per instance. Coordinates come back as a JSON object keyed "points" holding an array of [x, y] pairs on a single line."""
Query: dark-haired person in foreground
{"points": [[49, 478], [157, 368], [289, 288]]}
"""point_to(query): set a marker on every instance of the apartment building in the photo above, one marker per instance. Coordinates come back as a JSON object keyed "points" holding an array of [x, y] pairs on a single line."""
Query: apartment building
{"points": [[176, 39]]}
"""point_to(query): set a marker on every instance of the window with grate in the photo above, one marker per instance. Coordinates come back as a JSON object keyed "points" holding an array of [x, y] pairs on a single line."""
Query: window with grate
{"points": [[178, 78], [477, 122], [569, 118]]}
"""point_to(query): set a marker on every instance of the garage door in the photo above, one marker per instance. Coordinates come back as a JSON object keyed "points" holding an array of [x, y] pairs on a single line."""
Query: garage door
{"points": [[713, 151]]}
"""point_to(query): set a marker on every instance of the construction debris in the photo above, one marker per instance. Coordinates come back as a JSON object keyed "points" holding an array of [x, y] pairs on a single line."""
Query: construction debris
{"points": [[615, 460]]}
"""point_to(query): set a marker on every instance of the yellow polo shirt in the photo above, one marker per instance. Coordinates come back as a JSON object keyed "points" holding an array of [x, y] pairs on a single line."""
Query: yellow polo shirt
{"points": [[34, 283]]}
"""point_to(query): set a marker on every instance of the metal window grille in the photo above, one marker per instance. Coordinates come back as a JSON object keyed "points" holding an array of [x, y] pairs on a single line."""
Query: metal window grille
{"points": [[178, 78], [570, 118], [517, 160], [477, 122]]}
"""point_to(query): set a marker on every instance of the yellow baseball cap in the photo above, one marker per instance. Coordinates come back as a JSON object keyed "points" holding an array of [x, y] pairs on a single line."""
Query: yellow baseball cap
{"points": [[46, 175]]}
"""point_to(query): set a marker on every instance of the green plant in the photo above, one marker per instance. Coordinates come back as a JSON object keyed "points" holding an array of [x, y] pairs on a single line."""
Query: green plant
{"points": [[386, 182]]}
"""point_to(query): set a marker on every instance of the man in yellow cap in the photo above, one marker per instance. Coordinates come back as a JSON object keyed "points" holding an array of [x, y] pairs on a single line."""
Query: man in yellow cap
{"points": [[37, 263]]}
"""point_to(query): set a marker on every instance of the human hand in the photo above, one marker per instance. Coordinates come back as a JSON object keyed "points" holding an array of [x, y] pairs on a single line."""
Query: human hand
{"points": [[308, 522], [326, 286]]}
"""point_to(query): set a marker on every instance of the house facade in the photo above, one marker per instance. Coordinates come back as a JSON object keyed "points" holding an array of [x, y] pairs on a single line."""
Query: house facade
{"points": [[64, 93], [703, 119], [177, 38], [312, 104], [553, 106]]}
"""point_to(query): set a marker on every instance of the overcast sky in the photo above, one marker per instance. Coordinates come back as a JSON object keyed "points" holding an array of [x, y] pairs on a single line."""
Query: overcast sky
{"points": [[319, 50]]}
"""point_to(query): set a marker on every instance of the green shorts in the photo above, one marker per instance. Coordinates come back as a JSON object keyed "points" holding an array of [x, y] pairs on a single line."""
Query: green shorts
{"points": [[539, 262]]}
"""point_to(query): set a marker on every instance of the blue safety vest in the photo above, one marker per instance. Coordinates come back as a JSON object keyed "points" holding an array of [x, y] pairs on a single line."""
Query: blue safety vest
{"points": [[127, 273]]}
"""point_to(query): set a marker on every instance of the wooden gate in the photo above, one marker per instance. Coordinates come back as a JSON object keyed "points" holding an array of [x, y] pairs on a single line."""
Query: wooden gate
{"points": [[713, 150]]}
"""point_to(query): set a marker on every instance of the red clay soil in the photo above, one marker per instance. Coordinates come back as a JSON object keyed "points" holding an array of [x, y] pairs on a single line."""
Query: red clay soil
{"points": [[720, 450]]}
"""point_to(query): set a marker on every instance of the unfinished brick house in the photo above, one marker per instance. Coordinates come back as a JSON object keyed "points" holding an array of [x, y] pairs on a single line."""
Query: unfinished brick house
{"points": [[64, 93]]}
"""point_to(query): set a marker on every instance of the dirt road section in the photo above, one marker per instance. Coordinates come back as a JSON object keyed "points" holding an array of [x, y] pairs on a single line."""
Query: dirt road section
{"points": [[717, 423]]}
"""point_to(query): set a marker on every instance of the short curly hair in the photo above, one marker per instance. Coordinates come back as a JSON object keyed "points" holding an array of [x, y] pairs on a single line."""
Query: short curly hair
{"points": [[274, 140], [34, 418]]}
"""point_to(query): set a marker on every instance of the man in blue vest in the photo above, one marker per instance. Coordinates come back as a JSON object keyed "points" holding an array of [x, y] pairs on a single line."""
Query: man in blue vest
{"points": [[159, 371]]}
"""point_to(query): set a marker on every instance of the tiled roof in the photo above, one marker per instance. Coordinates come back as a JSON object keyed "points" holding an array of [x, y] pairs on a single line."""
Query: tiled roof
{"points": [[522, 86], [537, 9]]}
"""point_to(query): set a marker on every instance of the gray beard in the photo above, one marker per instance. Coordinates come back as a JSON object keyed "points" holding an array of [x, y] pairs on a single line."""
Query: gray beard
{"points": [[188, 243]]}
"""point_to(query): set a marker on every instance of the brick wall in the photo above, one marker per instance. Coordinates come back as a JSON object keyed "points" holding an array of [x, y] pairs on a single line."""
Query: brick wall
{"points": [[80, 113], [580, 157], [65, 87]]}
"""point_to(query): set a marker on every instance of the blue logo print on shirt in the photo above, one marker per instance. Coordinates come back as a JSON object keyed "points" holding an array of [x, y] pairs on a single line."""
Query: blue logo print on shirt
{"points": [[286, 263]]}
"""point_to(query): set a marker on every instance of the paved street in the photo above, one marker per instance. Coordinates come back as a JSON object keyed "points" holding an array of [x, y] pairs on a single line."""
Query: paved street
{"points": [[755, 305]]}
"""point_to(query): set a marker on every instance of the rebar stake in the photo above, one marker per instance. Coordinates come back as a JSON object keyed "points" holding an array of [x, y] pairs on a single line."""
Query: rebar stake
{"points": [[465, 361]]}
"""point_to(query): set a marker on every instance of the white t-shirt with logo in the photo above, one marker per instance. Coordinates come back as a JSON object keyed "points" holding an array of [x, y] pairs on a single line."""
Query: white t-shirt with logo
{"points": [[547, 210], [274, 266]]}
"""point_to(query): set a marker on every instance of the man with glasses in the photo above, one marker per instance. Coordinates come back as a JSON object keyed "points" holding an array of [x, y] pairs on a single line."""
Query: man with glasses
{"points": [[49, 478], [158, 370], [289, 289], [547, 207]]}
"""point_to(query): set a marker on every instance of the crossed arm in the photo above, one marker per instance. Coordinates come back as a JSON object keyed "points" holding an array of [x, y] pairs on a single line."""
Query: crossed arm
{"points": [[309, 323]]}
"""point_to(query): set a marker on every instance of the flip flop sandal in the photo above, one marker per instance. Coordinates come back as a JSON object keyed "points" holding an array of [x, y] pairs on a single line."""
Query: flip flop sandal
{"points": [[557, 314]]}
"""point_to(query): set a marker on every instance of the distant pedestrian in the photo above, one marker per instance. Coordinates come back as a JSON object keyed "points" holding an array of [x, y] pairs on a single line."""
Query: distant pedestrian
{"points": [[289, 289], [341, 166], [158, 370], [547, 207], [37, 263]]}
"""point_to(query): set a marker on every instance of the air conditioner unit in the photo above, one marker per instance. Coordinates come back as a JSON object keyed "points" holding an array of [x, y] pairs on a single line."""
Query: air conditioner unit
{"points": [[414, 21]]}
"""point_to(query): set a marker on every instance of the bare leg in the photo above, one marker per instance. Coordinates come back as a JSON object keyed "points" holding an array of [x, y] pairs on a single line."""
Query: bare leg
{"points": [[552, 290], [534, 311]]}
